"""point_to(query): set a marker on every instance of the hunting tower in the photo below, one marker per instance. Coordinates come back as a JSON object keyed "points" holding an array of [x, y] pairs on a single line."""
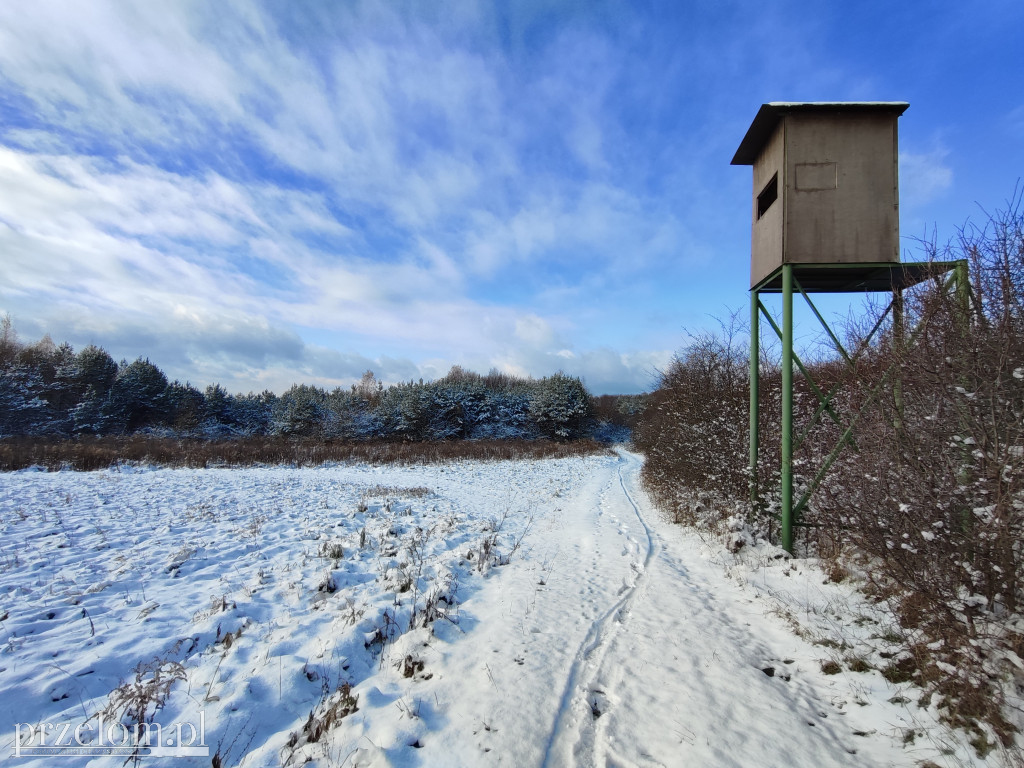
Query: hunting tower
{"points": [[825, 219]]}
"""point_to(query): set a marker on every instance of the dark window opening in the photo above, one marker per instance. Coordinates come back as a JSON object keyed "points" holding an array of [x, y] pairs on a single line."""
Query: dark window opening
{"points": [[768, 196]]}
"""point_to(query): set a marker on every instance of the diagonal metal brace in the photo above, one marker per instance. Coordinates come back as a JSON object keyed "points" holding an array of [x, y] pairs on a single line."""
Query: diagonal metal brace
{"points": [[822, 398], [835, 340], [851, 360], [868, 402]]}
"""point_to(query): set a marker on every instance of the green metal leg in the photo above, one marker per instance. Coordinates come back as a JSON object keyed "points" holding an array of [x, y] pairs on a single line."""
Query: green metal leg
{"points": [[787, 408], [755, 354]]}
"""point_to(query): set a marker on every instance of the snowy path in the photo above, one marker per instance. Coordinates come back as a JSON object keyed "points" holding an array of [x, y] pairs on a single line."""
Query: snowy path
{"points": [[676, 676], [637, 650], [518, 614], [583, 701]]}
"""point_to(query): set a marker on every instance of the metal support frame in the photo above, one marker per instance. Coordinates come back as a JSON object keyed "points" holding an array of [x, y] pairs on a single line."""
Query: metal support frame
{"points": [[789, 511], [787, 408], [755, 366]]}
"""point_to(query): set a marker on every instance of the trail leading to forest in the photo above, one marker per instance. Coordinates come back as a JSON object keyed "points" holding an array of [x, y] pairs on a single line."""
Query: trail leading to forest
{"points": [[583, 702], [672, 672]]}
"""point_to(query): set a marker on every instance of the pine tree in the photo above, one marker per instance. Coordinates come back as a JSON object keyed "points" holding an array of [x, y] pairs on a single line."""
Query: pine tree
{"points": [[560, 407], [137, 399]]}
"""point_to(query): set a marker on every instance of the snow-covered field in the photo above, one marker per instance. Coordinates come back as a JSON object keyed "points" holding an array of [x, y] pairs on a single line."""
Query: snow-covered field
{"points": [[533, 613]]}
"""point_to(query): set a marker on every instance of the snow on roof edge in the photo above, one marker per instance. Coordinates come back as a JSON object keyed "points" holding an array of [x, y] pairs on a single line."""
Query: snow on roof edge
{"points": [[769, 114]]}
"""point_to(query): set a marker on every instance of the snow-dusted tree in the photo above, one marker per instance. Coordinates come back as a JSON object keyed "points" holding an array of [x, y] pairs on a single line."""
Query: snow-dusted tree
{"points": [[185, 408], [506, 416], [35, 392], [94, 372], [446, 405], [96, 369], [560, 407], [88, 416], [404, 410], [22, 410], [218, 411], [43, 368], [368, 388], [63, 393], [459, 405], [137, 399], [41, 357], [356, 417], [302, 411], [217, 402], [252, 414]]}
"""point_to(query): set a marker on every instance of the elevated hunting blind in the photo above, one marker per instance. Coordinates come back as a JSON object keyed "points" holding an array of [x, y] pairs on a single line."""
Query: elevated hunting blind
{"points": [[824, 219]]}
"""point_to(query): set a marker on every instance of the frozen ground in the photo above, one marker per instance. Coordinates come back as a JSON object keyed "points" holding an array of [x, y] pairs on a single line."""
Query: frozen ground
{"points": [[519, 613]]}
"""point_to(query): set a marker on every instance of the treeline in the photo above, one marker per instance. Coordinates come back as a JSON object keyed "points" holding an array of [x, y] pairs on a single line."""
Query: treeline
{"points": [[49, 390], [927, 498]]}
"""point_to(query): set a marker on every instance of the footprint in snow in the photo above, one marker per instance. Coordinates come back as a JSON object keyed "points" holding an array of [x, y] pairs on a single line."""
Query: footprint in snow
{"points": [[598, 703]]}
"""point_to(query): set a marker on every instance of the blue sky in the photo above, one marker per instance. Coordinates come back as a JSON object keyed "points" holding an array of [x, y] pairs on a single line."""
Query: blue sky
{"points": [[263, 194]]}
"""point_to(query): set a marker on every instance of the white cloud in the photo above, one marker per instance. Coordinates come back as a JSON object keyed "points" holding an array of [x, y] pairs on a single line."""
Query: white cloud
{"points": [[535, 332], [99, 67], [924, 176], [590, 227], [602, 369], [79, 267], [268, 195]]}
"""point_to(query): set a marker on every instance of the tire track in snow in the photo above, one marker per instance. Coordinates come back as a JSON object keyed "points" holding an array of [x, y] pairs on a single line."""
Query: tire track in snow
{"points": [[575, 722]]}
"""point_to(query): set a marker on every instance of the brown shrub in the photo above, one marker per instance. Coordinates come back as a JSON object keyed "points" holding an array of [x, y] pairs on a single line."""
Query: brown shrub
{"points": [[87, 454]]}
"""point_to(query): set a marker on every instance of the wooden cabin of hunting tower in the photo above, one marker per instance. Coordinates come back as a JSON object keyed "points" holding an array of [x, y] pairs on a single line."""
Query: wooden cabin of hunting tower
{"points": [[826, 184]]}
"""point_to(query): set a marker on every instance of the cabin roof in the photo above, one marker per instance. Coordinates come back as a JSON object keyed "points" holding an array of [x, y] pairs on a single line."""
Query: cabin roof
{"points": [[769, 115]]}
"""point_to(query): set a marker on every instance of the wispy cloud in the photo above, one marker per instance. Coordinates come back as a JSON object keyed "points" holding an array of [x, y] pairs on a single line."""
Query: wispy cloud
{"points": [[256, 193], [394, 179], [924, 176]]}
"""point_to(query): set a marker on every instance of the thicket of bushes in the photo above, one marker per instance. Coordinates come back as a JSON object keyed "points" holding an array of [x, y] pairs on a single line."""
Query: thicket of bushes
{"points": [[928, 499], [103, 452], [49, 390]]}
